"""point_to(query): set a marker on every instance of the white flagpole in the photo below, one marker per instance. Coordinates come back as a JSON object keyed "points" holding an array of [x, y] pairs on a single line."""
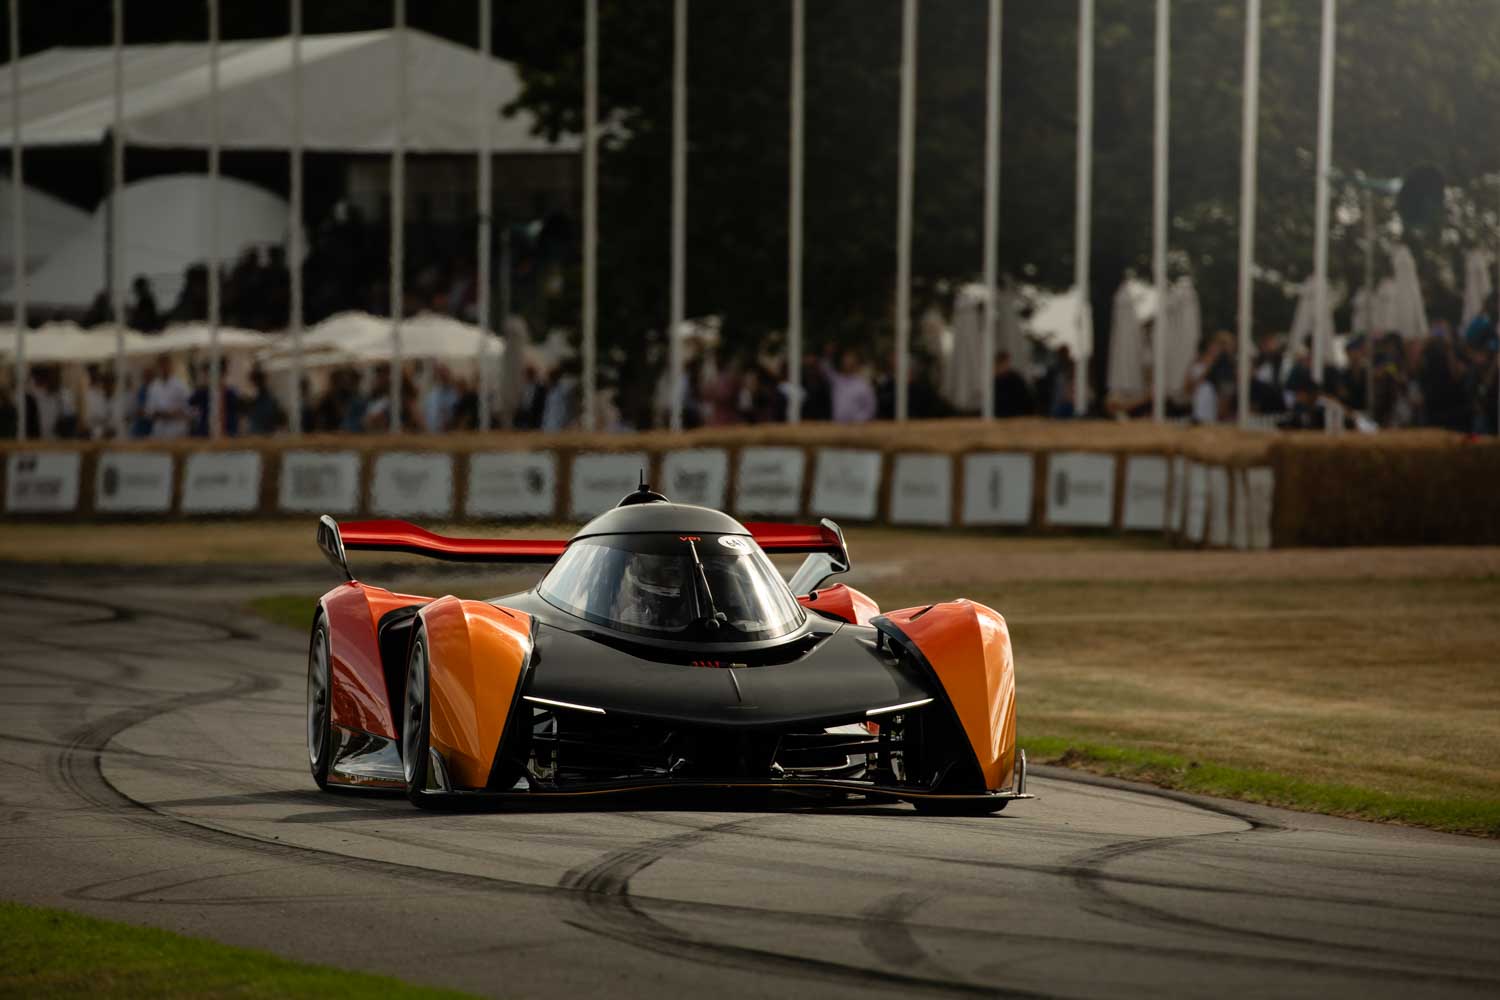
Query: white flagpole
{"points": [[398, 217], [294, 218], [117, 219], [1321, 333], [215, 404], [1083, 211], [18, 212], [590, 210], [679, 204], [794, 220], [486, 112], [991, 204], [1250, 130], [904, 198], [1159, 210]]}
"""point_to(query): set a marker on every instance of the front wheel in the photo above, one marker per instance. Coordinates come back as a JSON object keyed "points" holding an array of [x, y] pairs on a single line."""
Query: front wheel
{"points": [[319, 701], [416, 721]]}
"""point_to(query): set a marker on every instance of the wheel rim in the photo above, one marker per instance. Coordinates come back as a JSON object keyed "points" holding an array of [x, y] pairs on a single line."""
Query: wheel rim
{"points": [[317, 697], [416, 695]]}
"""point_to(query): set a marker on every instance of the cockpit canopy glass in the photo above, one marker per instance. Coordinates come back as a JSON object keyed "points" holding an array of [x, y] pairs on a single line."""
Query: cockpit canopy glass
{"points": [[651, 584]]}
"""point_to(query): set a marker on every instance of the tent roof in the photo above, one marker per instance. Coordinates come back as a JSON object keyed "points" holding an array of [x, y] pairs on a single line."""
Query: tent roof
{"points": [[348, 96], [50, 223], [165, 229]]}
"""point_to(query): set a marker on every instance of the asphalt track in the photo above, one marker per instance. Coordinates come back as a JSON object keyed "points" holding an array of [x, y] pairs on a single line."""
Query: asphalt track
{"points": [[152, 770]]}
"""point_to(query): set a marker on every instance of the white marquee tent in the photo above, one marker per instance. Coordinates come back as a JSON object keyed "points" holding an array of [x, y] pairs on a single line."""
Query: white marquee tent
{"points": [[348, 97], [166, 223], [50, 223]]}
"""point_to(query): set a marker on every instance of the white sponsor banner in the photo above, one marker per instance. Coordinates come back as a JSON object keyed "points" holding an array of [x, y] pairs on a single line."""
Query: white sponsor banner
{"points": [[322, 482], [1080, 489], [41, 482], [1259, 497], [1145, 493], [512, 484], [922, 489], [412, 483], [769, 482], [602, 479], [696, 475], [846, 483], [1195, 502], [221, 482], [1176, 493], [133, 482], [1218, 505], [997, 488]]}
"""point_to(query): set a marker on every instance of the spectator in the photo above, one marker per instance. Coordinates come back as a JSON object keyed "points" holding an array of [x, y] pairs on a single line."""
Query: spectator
{"points": [[142, 313], [440, 401], [1442, 379], [851, 393], [201, 408], [560, 410], [167, 402], [46, 402], [1013, 397], [1306, 413], [98, 404], [531, 399], [817, 394], [264, 415], [1267, 394], [1057, 385]]}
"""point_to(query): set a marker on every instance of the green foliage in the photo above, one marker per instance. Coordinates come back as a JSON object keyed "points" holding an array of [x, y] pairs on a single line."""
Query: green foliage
{"points": [[1415, 84], [53, 953]]}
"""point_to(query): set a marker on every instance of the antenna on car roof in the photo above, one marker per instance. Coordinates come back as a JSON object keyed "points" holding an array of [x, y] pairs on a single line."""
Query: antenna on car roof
{"points": [[642, 494]]}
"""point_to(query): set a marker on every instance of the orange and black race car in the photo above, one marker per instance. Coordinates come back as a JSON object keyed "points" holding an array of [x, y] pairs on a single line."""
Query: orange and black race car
{"points": [[660, 650]]}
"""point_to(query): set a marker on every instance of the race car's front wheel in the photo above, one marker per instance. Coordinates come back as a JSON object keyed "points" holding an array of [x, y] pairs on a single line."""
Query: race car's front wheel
{"points": [[319, 699], [416, 718]]}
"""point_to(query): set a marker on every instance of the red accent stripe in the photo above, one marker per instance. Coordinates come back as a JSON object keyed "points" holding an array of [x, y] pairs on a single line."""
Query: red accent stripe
{"points": [[793, 537], [402, 536]]}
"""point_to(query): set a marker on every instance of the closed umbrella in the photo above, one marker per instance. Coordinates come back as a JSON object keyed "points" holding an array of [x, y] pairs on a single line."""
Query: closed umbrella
{"points": [[966, 366], [1183, 329], [1477, 285], [1410, 317], [1126, 348]]}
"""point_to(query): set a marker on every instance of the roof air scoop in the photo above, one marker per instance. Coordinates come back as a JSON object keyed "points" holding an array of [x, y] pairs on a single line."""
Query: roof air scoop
{"points": [[642, 494]]}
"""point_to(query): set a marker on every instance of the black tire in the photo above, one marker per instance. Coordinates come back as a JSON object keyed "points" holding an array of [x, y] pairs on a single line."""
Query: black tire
{"points": [[319, 702], [416, 718], [959, 807]]}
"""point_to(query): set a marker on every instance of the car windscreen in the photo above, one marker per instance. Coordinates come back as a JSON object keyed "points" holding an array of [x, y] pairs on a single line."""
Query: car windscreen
{"points": [[649, 584]]}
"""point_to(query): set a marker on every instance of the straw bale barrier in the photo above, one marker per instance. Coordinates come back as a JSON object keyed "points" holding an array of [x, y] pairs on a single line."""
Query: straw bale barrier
{"points": [[1415, 487]]}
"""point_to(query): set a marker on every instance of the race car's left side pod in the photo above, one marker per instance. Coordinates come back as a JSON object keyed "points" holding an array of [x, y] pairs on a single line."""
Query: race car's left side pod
{"points": [[476, 654]]}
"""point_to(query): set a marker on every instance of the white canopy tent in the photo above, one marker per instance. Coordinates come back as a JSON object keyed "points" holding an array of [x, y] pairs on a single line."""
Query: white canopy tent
{"points": [[67, 96], [359, 338], [50, 223], [166, 230], [1304, 318]]}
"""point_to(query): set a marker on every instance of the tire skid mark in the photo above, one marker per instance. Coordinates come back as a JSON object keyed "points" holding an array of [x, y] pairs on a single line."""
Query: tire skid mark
{"points": [[609, 910], [1086, 874]]}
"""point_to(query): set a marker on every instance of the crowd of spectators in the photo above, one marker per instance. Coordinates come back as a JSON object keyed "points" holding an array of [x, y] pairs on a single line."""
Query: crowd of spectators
{"points": [[1447, 379]]}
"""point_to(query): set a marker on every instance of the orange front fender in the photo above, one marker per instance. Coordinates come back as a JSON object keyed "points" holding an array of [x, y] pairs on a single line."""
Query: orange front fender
{"points": [[967, 645], [476, 654]]}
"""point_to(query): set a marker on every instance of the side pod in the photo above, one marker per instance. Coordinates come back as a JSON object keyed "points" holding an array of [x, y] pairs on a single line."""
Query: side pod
{"points": [[477, 657], [966, 646]]}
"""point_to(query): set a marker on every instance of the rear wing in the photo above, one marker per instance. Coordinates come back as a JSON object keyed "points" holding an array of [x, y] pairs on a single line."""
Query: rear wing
{"points": [[824, 542], [338, 540]]}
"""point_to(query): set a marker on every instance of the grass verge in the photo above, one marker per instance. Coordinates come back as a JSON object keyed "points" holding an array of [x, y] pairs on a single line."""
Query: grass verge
{"points": [[291, 610], [53, 953], [1165, 770]]}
